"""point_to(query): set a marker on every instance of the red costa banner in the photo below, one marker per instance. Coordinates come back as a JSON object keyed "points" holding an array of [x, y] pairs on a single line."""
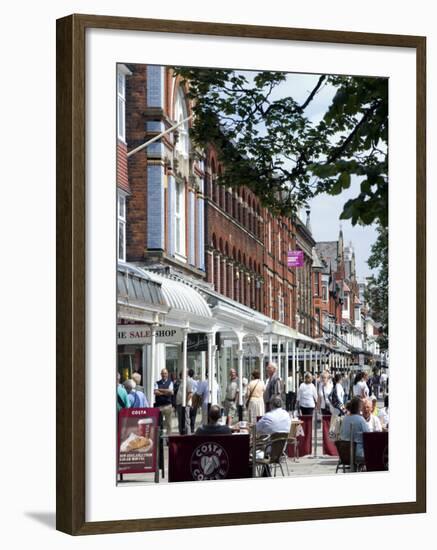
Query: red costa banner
{"points": [[375, 451], [305, 439], [329, 447], [138, 433], [203, 457]]}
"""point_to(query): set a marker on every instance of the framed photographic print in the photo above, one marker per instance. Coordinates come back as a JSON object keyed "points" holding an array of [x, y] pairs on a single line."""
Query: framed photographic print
{"points": [[240, 274]]}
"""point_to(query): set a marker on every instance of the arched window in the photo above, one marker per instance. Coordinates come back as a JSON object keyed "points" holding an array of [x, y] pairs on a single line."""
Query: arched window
{"points": [[179, 214], [180, 114], [214, 185], [221, 191], [229, 202], [234, 206]]}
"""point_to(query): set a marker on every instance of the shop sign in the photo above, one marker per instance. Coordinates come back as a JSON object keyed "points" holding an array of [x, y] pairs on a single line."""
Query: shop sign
{"points": [[198, 341], [141, 334], [295, 258], [138, 440]]}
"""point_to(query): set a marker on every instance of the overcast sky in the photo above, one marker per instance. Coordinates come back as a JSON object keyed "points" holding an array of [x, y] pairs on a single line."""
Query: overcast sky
{"points": [[326, 209]]}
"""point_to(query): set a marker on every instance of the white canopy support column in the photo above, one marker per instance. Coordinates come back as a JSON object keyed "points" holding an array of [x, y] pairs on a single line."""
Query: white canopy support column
{"points": [[279, 359], [270, 348], [261, 366], [240, 382], [215, 368], [287, 388], [311, 361], [151, 397], [184, 366], [260, 341], [304, 351], [211, 340], [294, 365], [203, 365]]}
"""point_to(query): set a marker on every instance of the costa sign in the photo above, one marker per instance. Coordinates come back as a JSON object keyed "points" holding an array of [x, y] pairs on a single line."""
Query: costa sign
{"points": [[142, 334]]}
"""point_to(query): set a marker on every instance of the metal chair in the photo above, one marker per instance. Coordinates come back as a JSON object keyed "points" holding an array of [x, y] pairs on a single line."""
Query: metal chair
{"points": [[344, 457], [273, 448]]}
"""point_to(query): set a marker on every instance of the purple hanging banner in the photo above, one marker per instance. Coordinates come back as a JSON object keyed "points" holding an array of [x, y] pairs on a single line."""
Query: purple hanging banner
{"points": [[295, 258]]}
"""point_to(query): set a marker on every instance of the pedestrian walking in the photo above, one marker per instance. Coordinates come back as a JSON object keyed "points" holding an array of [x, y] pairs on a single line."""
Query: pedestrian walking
{"points": [[323, 393], [163, 395], [122, 396], [273, 384], [254, 397], [184, 420], [231, 397], [306, 399], [137, 399]]}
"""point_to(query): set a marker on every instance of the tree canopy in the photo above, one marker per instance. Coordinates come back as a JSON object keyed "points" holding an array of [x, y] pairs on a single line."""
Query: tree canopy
{"points": [[267, 142], [377, 288]]}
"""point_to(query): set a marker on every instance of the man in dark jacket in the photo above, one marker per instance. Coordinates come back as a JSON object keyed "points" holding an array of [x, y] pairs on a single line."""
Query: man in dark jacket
{"points": [[273, 385]]}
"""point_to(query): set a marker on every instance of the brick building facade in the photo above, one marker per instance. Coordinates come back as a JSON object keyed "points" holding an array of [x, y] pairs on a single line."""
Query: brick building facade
{"points": [[179, 217]]}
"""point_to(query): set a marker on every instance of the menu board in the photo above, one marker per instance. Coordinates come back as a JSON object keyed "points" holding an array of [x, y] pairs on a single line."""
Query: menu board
{"points": [[138, 440]]}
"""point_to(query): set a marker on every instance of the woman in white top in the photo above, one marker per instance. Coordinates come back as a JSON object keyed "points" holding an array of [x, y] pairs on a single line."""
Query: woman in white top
{"points": [[254, 397], [325, 388], [360, 388], [307, 395]]}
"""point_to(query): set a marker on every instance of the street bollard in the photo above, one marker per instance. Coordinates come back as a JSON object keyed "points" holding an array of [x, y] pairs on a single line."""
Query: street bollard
{"points": [[159, 453]]}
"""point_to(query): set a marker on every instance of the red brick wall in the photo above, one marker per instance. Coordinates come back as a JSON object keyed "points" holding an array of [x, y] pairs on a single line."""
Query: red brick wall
{"points": [[137, 164], [275, 262], [231, 238], [122, 176]]}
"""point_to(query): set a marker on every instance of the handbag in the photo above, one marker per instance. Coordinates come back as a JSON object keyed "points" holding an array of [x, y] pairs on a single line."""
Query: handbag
{"points": [[196, 401], [250, 394]]}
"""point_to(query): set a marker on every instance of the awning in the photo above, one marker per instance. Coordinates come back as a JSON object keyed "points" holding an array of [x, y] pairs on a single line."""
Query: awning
{"points": [[232, 316], [139, 298], [279, 329], [187, 307]]}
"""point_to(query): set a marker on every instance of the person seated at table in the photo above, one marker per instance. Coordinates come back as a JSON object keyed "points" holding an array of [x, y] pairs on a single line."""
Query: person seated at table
{"points": [[372, 421], [354, 423], [213, 427], [384, 415], [277, 420], [375, 410]]}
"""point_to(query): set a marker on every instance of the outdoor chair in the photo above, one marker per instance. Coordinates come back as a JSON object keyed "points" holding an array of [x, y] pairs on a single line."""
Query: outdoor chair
{"points": [[291, 440], [273, 448], [344, 457]]}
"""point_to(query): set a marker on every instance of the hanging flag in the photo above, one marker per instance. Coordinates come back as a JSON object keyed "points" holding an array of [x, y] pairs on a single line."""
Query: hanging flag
{"points": [[295, 258]]}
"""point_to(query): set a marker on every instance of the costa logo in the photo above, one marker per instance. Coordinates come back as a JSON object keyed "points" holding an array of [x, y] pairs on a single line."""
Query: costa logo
{"points": [[209, 461]]}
